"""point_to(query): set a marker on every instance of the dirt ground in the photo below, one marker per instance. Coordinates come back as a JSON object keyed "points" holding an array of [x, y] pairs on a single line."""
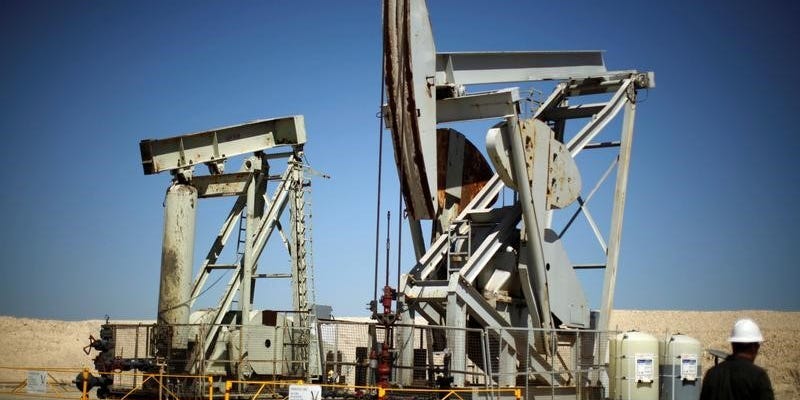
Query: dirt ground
{"points": [[46, 344]]}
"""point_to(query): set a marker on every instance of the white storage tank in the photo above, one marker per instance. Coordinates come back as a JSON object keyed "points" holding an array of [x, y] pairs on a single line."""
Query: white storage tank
{"points": [[680, 368], [632, 369]]}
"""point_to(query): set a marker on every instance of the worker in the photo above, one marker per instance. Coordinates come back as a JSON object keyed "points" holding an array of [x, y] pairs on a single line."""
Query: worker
{"points": [[737, 377]]}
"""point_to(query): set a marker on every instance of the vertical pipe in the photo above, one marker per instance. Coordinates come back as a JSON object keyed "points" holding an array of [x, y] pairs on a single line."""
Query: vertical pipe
{"points": [[85, 389], [388, 234], [177, 252]]}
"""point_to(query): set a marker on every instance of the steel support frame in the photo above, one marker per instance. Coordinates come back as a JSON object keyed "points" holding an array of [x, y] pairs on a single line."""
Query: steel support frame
{"points": [[624, 99], [615, 234], [242, 278], [584, 73], [604, 113], [624, 88], [262, 219], [299, 257]]}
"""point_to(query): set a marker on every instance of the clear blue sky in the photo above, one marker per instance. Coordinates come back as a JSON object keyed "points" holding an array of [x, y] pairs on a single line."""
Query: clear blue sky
{"points": [[711, 219]]}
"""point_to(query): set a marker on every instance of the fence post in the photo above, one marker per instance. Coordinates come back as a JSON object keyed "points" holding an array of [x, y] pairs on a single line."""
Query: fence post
{"points": [[85, 391], [518, 393], [228, 386], [381, 393], [210, 387]]}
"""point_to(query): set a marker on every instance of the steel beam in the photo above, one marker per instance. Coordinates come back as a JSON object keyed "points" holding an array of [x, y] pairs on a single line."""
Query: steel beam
{"points": [[610, 82], [615, 235], [589, 197], [428, 263], [486, 314], [254, 213], [221, 185], [405, 343], [456, 319], [588, 266], [417, 239], [476, 106], [609, 111], [504, 67], [481, 257], [279, 201], [572, 112], [218, 144], [535, 252]]}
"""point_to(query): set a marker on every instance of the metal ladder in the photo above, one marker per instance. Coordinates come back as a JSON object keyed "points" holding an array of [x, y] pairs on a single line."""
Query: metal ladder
{"points": [[241, 239], [459, 247], [312, 297], [241, 244]]}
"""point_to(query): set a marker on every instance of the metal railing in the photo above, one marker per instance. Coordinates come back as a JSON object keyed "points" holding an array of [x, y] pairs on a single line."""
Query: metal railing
{"points": [[536, 360]]}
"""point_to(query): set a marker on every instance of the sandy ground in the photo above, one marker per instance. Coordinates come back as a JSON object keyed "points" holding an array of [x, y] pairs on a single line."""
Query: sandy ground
{"points": [[779, 354], [39, 344]]}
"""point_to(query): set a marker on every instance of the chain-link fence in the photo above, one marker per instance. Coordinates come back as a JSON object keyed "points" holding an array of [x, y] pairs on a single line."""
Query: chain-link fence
{"points": [[536, 359], [341, 352], [276, 346], [539, 361]]}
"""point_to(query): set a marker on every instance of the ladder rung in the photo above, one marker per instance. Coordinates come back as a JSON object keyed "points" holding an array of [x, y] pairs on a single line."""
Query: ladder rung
{"points": [[272, 276], [221, 266]]}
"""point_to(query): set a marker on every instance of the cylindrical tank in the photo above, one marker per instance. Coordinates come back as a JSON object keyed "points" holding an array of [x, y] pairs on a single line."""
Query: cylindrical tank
{"points": [[680, 367], [177, 254], [633, 360]]}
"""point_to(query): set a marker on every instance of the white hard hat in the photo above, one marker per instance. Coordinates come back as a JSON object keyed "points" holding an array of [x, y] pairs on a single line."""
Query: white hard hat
{"points": [[745, 330]]}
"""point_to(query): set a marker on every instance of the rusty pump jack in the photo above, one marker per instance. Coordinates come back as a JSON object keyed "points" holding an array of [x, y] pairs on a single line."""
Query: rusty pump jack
{"points": [[488, 265]]}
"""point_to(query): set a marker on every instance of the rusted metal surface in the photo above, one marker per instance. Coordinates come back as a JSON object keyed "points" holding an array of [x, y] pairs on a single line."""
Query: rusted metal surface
{"points": [[475, 172], [412, 103]]}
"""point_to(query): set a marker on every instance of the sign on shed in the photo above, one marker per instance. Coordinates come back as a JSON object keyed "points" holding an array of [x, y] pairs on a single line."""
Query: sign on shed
{"points": [[305, 392]]}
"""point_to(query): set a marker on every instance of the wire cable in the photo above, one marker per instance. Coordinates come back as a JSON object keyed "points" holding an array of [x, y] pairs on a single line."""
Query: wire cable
{"points": [[380, 157]]}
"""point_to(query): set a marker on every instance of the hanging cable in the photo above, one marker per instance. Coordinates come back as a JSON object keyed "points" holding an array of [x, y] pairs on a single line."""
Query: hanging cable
{"points": [[380, 160]]}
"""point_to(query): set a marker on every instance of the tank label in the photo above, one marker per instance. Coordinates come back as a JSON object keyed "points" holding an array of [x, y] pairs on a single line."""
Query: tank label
{"points": [[689, 367], [644, 367]]}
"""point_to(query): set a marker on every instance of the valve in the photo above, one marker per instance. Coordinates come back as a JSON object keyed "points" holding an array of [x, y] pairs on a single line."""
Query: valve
{"points": [[97, 344]]}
